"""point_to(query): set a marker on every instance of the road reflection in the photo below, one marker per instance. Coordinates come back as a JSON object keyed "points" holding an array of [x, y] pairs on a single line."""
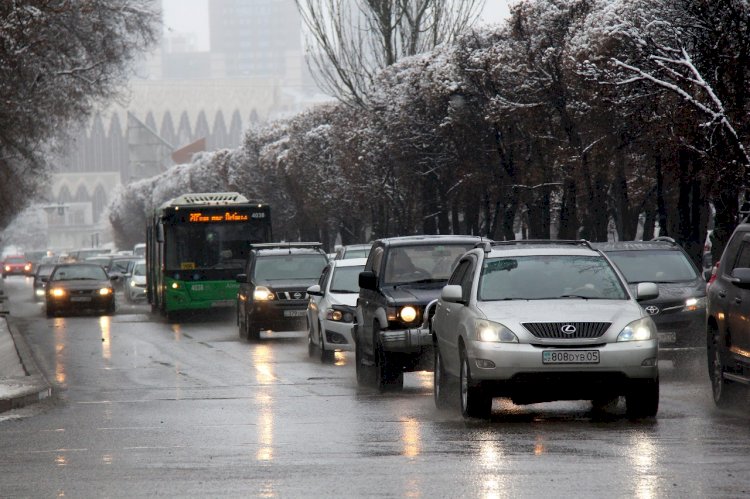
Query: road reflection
{"points": [[263, 361], [411, 438], [643, 457], [60, 335], [105, 322]]}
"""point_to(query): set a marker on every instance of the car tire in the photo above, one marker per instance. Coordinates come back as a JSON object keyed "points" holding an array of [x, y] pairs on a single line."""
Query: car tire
{"points": [[326, 356], [242, 327], [642, 399], [725, 392], [50, 311], [310, 342], [387, 376], [363, 371], [440, 382], [475, 403], [253, 331]]}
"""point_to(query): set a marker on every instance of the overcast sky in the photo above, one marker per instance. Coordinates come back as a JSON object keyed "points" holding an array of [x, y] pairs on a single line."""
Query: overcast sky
{"points": [[191, 16]]}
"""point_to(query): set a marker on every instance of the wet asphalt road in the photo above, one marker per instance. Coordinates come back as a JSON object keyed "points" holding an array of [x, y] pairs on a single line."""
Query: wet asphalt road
{"points": [[146, 408]]}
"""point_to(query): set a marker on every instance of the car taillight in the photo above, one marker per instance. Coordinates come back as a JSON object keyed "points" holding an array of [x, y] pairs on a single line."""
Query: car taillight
{"points": [[714, 274]]}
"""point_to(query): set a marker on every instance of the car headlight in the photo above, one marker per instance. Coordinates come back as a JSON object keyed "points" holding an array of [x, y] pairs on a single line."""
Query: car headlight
{"points": [[336, 315], [639, 330], [105, 291], [262, 293], [39, 292], [132, 284], [57, 292], [7, 268], [493, 332], [695, 303], [408, 313]]}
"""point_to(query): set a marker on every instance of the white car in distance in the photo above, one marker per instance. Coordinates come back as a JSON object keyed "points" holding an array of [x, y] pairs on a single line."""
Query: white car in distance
{"points": [[135, 284], [331, 308], [539, 321]]}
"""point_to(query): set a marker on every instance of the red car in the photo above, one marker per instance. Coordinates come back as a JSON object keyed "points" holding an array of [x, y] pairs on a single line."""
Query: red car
{"points": [[16, 265]]}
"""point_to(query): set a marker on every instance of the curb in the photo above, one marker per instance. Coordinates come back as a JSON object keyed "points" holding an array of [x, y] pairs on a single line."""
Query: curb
{"points": [[29, 389]]}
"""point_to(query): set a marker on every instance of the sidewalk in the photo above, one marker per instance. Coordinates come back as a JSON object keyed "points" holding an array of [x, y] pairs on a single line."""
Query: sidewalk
{"points": [[21, 382]]}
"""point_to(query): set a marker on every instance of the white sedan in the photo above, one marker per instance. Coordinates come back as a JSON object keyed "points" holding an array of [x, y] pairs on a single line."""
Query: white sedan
{"points": [[331, 307]]}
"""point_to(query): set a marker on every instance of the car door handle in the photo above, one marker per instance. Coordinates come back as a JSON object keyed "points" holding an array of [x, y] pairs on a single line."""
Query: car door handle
{"points": [[722, 294], [738, 300], [447, 310]]}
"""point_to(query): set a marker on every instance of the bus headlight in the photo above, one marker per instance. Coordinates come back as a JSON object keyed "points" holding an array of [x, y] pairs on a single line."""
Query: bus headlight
{"points": [[262, 293]]}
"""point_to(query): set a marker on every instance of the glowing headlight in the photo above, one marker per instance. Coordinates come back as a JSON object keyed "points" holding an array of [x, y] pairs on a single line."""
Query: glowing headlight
{"points": [[57, 292], [105, 291], [7, 268], [695, 303], [640, 330], [339, 315], [39, 292], [175, 285], [132, 284], [408, 314], [262, 293], [494, 332], [27, 267]]}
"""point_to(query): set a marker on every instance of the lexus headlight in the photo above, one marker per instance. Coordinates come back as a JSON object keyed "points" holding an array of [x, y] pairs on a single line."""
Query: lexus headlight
{"points": [[695, 303], [640, 330], [494, 332], [262, 293]]}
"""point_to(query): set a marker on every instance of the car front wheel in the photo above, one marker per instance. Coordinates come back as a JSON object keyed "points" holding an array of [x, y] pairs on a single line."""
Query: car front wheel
{"points": [[475, 403], [389, 375]]}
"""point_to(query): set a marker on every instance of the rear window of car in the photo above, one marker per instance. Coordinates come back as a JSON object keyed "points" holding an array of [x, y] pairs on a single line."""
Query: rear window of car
{"points": [[654, 266], [294, 266], [546, 277]]}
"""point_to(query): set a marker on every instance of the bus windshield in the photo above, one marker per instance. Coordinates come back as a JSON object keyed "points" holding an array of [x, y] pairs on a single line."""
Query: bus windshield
{"points": [[214, 246]]}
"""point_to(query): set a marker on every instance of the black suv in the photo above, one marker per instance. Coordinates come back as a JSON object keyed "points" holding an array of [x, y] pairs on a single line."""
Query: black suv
{"points": [[680, 310], [402, 275], [273, 289], [727, 331]]}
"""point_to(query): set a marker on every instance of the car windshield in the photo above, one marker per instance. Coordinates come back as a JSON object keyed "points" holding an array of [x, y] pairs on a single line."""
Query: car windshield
{"points": [[653, 266], [289, 266], [545, 277], [75, 272], [346, 279], [44, 270], [356, 253], [119, 265], [139, 269], [422, 263], [15, 260]]}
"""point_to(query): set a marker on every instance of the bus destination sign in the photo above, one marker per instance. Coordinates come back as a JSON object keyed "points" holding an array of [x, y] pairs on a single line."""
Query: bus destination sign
{"points": [[227, 216]]}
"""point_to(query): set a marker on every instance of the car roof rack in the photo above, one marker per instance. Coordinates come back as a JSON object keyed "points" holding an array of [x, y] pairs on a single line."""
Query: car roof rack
{"points": [[286, 245], [487, 245], [664, 239]]}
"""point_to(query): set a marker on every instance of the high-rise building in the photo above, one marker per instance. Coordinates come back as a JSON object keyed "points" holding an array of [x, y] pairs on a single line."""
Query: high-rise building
{"points": [[257, 38]]}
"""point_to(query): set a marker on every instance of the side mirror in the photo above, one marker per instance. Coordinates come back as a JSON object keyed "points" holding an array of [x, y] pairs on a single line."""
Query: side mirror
{"points": [[44, 279], [368, 280], [241, 278], [452, 294], [114, 278], [646, 291], [160, 232], [314, 290], [741, 277]]}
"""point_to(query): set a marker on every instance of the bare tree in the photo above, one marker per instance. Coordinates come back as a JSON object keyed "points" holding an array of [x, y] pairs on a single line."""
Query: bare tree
{"points": [[350, 41], [58, 59]]}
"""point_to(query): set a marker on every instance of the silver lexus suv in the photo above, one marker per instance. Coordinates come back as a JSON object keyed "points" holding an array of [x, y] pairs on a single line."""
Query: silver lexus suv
{"points": [[538, 321]]}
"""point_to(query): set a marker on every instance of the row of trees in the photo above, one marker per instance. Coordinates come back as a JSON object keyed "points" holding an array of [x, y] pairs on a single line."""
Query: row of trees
{"points": [[58, 61], [573, 119]]}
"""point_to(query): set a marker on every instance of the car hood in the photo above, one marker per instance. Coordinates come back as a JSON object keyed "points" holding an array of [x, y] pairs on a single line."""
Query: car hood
{"points": [[348, 299], [80, 285], [618, 312], [670, 292], [419, 295], [287, 283]]}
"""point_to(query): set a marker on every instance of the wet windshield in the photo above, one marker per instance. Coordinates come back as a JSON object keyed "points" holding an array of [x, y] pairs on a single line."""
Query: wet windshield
{"points": [[74, 272], [653, 266], [139, 269], [290, 266], [422, 263], [346, 279], [549, 277]]}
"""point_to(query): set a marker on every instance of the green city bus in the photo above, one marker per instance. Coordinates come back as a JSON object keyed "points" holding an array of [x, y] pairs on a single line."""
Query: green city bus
{"points": [[196, 244]]}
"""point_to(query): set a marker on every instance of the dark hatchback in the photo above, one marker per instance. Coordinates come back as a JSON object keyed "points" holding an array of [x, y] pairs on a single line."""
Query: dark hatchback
{"points": [[41, 276], [273, 288], [680, 310], [79, 287]]}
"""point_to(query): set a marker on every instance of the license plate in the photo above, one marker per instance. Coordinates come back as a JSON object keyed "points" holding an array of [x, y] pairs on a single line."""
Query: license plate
{"points": [[295, 313], [570, 357], [665, 338], [80, 298]]}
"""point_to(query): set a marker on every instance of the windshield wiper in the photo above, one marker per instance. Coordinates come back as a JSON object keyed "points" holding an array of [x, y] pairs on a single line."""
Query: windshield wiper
{"points": [[344, 291]]}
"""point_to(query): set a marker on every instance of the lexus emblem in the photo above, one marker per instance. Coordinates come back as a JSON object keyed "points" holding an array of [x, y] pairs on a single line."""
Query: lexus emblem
{"points": [[568, 329], [652, 310], [297, 295]]}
